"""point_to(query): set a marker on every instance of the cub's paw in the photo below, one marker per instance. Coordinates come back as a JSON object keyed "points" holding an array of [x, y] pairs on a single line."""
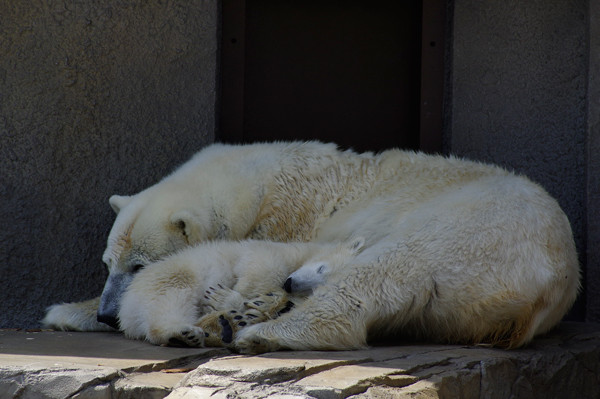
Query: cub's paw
{"points": [[221, 327], [270, 305], [221, 297], [189, 336], [252, 341]]}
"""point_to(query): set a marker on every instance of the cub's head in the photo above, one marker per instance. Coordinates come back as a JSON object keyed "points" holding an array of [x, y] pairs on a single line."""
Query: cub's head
{"points": [[148, 227], [321, 266]]}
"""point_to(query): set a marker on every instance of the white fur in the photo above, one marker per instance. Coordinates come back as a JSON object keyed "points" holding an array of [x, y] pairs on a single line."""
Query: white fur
{"points": [[490, 262], [167, 297]]}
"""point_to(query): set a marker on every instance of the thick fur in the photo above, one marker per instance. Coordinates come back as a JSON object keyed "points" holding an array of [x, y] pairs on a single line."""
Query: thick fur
{"points": [[498, 270], [165, 301], [454, 250]]}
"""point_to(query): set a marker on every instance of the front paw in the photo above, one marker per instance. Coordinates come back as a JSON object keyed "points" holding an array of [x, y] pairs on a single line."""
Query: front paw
{"points": [[253, 341], [79, 316], [271, 305], [221, 297]]}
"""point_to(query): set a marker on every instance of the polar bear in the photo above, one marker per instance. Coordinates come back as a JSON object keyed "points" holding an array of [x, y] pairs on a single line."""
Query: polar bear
{"points": [[312, 192], [490, 263], [225, 192], [165, 301]]}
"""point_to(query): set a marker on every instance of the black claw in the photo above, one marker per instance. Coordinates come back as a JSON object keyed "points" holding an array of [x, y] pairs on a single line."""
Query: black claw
{"points": [[258, 303]]}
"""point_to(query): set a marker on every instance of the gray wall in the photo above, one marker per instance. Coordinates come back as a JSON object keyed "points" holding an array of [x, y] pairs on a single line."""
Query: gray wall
{"points": [[593, 167], [96, 98], [518, 95]]}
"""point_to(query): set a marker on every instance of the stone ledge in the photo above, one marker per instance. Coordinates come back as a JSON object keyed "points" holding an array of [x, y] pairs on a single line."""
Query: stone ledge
{"points": [[563, 364]]}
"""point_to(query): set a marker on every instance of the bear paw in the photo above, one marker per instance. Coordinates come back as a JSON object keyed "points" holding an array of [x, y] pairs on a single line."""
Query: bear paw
{"points": [[271, 305], [191, 336], [222, 327], [252, 342], [220, 298]]}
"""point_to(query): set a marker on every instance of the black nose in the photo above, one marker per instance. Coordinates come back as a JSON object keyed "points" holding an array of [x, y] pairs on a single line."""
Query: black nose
{"points": [[287, 286], [110, 320]]}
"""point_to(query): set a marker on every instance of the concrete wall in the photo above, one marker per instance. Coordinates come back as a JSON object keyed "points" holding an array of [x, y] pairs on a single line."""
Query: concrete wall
{"points": [[593, 166], [96, 98], [518, 94]]}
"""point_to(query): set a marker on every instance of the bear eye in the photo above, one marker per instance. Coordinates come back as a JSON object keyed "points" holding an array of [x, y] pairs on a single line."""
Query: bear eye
{"points": [[137, 268], [320, 269]]}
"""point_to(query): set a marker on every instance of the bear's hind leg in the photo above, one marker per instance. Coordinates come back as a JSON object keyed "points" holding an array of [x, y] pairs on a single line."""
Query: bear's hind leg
{"points": [[331, 319]]}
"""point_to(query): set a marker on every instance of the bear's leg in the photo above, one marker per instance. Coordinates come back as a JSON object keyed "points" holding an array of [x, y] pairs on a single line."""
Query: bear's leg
{"points": [[76, 316], [164, 317], [330, 319], [222, 326]]}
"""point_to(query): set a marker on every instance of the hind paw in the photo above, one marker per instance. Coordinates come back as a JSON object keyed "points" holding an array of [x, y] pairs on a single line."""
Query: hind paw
{"points": [[191, 336], [221, 327], [253, 341]]}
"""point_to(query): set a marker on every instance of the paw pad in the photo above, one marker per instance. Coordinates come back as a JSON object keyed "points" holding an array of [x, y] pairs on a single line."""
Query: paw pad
{"points": [[221, 327]]}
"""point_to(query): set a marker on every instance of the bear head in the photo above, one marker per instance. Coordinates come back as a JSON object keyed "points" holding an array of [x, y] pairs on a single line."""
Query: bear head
{"points": [[317, 270], [148, 227]]}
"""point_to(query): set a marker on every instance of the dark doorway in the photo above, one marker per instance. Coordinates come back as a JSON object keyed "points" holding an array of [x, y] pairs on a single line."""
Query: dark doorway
{"points": [[343, 71]]}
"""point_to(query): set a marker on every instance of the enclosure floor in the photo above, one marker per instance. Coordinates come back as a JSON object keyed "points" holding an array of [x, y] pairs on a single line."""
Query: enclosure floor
{"points": [[52, 364]]}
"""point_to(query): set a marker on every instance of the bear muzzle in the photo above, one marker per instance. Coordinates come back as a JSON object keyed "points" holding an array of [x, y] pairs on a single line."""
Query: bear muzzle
{"points": [[287, 286], [109, 320], [110, 301]]}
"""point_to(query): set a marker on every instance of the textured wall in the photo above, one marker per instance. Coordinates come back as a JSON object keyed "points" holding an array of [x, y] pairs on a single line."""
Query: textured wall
{"points": [[519, 71], [96, 98], [593, 166]]}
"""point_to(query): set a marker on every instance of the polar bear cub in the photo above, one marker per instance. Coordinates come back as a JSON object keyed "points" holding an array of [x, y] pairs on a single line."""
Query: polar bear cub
{"points": [[164, 301]]}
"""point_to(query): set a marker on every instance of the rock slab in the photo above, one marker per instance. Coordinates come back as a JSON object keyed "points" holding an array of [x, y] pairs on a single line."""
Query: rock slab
{"points": [[563, 364]]}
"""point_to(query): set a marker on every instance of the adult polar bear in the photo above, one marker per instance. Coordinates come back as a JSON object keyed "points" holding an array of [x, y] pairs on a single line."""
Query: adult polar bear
{"points": [[313, 192]]}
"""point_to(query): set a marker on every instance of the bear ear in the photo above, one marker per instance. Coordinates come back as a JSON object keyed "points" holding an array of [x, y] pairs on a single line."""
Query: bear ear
{"points": [[118, 202], [188, 224], [356, 245]]}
